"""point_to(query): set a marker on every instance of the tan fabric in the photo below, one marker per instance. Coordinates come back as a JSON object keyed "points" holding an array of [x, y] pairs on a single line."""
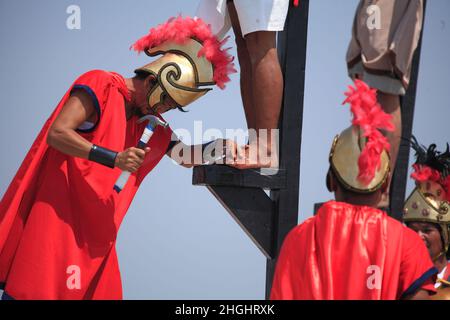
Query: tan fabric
{"points": [[387, 83], [386, 48]]}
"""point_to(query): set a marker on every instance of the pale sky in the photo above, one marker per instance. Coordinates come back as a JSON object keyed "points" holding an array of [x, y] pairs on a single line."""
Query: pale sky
{"points": [[176, 241]]}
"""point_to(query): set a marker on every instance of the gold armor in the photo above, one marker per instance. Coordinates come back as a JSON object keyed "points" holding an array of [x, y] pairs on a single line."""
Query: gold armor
{"points": [[443, 291], [344, 156]]}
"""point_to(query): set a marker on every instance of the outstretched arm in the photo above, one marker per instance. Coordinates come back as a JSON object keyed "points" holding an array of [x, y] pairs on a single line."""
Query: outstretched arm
{"points": [[218, 151]]}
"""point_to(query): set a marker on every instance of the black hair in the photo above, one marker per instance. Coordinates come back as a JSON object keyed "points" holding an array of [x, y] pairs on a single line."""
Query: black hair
{"points": [[432, 158], [141, 75], [347, 191]]}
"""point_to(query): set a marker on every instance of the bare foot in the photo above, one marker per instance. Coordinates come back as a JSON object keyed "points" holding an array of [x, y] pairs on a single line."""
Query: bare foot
{"points": [[252, 156]]}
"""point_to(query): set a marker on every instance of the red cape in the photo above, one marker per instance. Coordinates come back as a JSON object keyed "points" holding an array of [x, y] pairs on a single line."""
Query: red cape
{"points": [[351, 252], [59, 217], [446, 276]]}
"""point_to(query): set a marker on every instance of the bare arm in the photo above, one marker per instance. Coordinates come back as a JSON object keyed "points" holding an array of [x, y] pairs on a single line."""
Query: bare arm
{"points": [[178, 154], [192, 155], [63, 136]]}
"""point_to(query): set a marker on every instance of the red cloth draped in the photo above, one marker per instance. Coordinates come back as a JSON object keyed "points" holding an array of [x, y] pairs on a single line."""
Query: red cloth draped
{"points": [[60, 211], [446, 276], [339, 253]]}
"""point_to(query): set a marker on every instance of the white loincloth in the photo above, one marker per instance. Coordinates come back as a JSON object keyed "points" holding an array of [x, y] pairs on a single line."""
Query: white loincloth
{"points": [[254, 15]]}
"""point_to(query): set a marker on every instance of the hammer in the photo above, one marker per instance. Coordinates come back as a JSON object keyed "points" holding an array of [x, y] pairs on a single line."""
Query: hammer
{"points": [[153, 122]]}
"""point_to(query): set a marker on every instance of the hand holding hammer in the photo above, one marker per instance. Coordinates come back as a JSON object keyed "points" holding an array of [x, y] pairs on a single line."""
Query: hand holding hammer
{"points": [[153, 122]]}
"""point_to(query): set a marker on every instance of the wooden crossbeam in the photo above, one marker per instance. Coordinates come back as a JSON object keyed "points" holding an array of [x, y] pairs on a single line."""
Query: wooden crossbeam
{"points": [[252, 209], [227, 176]]}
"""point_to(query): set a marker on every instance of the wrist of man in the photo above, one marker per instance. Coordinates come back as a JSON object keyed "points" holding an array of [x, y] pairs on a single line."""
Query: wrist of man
{"points": [[213, 151], [103, 156]]}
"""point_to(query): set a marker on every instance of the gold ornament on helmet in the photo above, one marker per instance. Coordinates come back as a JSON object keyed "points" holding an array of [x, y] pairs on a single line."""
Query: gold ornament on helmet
{"points": [[430, 200], [358, 156], [192, 61]]}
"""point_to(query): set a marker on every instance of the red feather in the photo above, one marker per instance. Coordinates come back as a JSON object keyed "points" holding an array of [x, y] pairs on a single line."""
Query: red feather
{"points": [[179, 30], [446, 185], [370, 117], [424, 173]]}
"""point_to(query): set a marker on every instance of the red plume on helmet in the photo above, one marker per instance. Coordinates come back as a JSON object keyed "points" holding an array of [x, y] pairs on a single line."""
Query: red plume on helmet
{"points": [[432, 165], [370, 118], [179, 30]]}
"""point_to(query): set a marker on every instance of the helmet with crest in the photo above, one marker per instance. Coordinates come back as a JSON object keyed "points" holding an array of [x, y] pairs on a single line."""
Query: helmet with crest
{"points": [[191, 61], [359, 156]]}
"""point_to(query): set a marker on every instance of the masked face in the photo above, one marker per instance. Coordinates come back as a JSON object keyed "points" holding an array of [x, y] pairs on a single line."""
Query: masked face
{"points": [[159, 100], [148, 90], [165, 104]]}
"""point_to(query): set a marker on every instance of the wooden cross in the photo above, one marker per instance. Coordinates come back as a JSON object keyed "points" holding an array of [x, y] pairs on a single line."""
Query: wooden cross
{"points": [[267, 219]]}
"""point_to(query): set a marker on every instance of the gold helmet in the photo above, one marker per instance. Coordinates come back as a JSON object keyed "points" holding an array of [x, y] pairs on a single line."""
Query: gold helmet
{"points": [[344, 156], [430, 200], [358, 156], [192, 61]]}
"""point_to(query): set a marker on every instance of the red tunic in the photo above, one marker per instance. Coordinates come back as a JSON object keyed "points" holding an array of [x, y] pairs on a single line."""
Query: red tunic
{"points": [[351, 252], [59, 217]]}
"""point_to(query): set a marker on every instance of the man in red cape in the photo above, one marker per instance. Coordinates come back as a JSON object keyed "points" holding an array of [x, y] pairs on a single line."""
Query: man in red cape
{"points": [[60, 216], [427, 209], [350, 249]]}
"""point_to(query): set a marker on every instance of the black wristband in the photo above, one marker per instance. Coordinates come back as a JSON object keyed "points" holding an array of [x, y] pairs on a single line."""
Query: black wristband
{"points": [[103, 156]]}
